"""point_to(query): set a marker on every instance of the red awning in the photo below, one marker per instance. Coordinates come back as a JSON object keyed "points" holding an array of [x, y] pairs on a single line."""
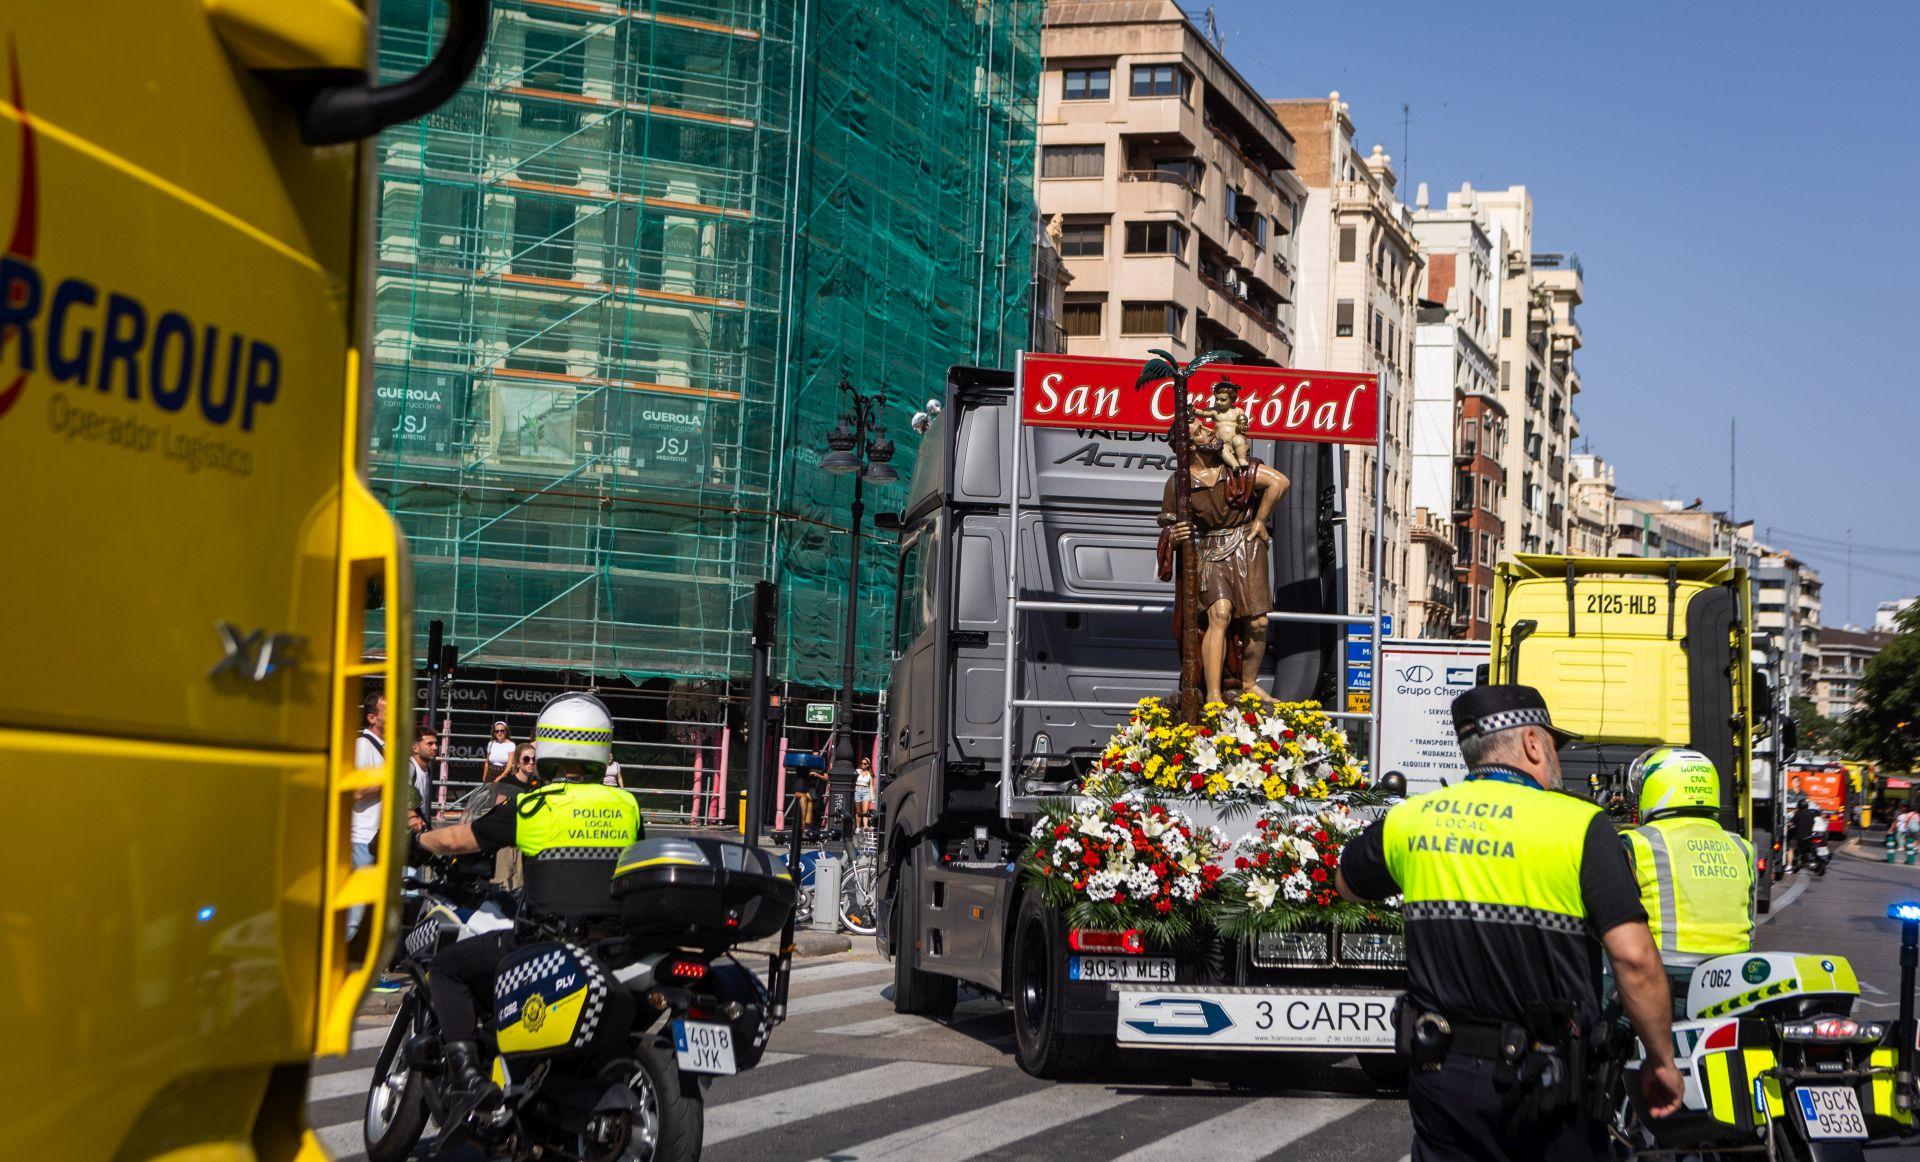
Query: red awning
{"points": [[1898, 785]]}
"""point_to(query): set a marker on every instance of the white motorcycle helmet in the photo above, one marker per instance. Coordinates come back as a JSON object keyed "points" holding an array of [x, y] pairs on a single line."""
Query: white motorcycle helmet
{"points": [[573, 728]]}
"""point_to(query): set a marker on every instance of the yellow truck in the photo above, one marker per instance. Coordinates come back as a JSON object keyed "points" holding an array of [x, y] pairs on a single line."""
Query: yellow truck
{"points": [[192, 564], [1631, 653]]}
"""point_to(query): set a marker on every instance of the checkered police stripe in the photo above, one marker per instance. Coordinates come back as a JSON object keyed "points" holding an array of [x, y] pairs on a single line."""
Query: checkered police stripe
{"points": [[572, 734], [596, 997], [1495, 914], [605, 853], [528, 971], [1506, 720]]}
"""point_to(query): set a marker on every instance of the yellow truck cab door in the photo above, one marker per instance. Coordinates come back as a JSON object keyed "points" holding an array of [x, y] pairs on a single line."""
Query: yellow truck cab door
{"points": [[190, 553]]}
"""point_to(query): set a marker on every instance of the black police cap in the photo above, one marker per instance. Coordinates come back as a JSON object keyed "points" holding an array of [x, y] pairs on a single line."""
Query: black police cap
{"points": [[1486, 710]]}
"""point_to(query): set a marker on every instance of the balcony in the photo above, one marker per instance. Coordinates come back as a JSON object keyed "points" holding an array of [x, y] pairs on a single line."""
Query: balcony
{"points": [[1154, 191]]}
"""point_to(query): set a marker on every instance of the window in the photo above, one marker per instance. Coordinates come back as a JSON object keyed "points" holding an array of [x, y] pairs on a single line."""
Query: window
{"points": [[1506, 332], [1087, 85], [1343, 318], [913, 608], [1080, 318], [1347, 243], [1083, 239], [1159, 81], [1156, 238], [1152, 319], [1073, 161], [1506, 374], [543, 237], [554, 59], [1486, 493], [449, 217], [1485, 604], [1486, 549]]}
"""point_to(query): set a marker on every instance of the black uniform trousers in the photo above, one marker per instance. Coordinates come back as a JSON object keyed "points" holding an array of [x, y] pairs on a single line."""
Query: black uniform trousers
{"points": [[461, 977], [1457, 1118]]}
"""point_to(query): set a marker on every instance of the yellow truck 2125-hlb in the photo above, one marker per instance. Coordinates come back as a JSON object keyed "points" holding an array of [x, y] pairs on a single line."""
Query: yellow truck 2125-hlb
{"points": [[1632, 653], [184, 207]]}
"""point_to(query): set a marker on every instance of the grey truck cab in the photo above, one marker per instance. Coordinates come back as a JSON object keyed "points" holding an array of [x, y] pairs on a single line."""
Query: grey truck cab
{"points": [[955, 823]]}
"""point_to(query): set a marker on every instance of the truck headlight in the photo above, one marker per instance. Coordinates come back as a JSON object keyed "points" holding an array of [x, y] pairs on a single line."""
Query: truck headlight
{"points": [[1310, 949]]}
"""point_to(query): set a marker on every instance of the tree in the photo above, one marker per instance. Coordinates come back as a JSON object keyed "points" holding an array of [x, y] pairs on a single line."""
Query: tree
{"points": [[1816, 731], [1885, 726]]}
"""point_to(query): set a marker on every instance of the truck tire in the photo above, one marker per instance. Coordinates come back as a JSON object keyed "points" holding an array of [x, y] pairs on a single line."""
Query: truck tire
{"points": [[926, 993], [1038, 971]]}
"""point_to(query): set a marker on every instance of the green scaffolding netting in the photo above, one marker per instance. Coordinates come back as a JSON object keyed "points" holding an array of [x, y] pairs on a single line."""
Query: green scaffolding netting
{"points": [[619, 277]]}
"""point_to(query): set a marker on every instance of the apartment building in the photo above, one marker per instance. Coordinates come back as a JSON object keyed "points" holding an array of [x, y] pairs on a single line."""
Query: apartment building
{"points": [[1458, 421], [1886, 615], [1361, 265], [1844, 654], [1173, 185], [1538, 334], [1592, 516], [1786, 610], [1661, 528]]}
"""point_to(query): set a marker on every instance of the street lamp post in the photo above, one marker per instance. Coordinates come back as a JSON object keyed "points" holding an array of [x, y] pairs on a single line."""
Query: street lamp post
{"points": [[852, 453]]}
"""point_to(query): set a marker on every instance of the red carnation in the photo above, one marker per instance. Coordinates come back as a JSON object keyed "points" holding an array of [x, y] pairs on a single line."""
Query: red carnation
{"points": [[1160, 870], [1163, 906], [1180, 759], [1319, 875], [1250, 718], [1159, 812], [1319, 837], [1266, 768], [1119, 897], [1092, 859], [1245, 750], [1240, 863], [1205, 732], [1061, 831], [1197, 781], [1286, 734], [1134, 768], [1262, 859], [1186, 833]]}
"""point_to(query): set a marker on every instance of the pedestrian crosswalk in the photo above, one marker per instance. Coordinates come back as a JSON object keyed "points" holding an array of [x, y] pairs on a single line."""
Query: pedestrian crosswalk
{"points": [[850, 1080]]}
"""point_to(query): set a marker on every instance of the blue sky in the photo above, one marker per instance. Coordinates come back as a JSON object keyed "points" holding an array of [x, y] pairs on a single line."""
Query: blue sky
{"points": [[1738, 181]]}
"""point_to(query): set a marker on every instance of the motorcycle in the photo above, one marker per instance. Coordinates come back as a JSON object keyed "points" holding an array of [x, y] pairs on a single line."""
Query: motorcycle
{"points": [[604, 1033], [1814, 852], [1772, 1063]]}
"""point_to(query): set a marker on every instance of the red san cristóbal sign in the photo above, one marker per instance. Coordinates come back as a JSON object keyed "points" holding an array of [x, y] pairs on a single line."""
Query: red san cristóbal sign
{"points": [[1087, 391]]}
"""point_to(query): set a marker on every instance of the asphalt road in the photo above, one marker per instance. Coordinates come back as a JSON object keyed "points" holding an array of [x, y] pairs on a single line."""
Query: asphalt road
{"points": [[849, 1080]]}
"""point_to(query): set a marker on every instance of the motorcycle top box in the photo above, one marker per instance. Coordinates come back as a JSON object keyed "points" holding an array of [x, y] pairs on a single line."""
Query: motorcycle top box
{"points": [[701, 893]]}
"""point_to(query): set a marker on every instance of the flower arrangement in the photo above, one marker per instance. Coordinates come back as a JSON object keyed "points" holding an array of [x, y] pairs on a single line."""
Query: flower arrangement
{"points": [[1282, 876], [1124, 863], [1247, 751]]}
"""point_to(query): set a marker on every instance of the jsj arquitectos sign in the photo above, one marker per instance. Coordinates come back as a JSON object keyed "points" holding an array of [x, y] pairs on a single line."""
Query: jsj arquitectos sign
{"points": [[1083, 391]]}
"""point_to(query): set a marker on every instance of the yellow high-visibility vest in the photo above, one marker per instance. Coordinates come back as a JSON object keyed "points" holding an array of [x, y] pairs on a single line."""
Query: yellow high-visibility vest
{"points": [[1696, 881]]}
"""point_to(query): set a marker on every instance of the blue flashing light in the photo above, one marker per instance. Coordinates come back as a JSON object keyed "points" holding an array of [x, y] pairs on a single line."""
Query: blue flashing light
{"points": [[205, 914], [1907, 912]]}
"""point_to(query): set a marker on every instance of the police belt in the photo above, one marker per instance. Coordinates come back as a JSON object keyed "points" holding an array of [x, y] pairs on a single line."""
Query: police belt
{"points": [[1543, 1063]]}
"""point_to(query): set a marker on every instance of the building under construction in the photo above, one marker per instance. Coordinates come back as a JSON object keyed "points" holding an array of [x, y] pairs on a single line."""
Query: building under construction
{"points": [[619, 280]]}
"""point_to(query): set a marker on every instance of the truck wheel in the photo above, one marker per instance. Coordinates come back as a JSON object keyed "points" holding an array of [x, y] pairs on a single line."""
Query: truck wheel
{"points": [[1386, 1070], [1038, 972], [927, 993]]}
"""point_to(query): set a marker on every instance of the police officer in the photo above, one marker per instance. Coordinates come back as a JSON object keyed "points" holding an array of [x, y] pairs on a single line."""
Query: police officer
{"points": [[1696, 880], [571, 832], [1511, 891]]}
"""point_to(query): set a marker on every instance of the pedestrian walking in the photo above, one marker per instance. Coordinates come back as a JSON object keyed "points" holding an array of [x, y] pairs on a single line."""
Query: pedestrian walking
{"points": [[863, 792], [500, 751], [1909, 832], [369, 750], [426, 750], [1511, 893]]}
